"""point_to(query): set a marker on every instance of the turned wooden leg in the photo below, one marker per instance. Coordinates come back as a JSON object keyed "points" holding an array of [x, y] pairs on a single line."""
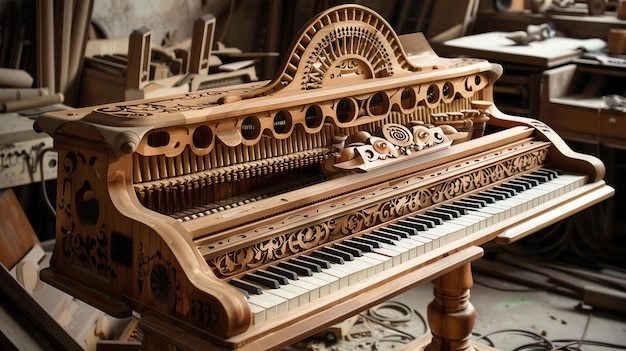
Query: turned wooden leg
{"points": [[450, 314]]}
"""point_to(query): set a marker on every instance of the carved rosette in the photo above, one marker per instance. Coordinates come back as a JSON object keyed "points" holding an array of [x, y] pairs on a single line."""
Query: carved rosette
{"points": [[291, 243], [161, 283]]}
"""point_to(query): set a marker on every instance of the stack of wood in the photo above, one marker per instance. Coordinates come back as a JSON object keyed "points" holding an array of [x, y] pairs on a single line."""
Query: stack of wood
{"points": [[62, 27]]}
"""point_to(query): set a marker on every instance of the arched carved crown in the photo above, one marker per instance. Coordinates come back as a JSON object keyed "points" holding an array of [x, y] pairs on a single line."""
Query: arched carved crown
{"points": [[341, 45]]}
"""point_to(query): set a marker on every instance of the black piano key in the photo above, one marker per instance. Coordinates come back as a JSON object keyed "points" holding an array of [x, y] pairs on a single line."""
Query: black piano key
{"points": [[522, 183], [243, 292], [282, 280], [358, 245], [395, 231], [402, 227], [316, 261], [552, 173], [375, 244], [421, 221], [468, 204], [441, 215], [507, 190], [328, 257], [418, 227], [435, 220], [379, 238], [349, 249], [453, 213], [297, 267], [498, 195], [345, 255], [532, 181], [486, 198], [246, 286], [482, 203], [259, 279], [460, 209], [386, 233], [540, 178], [284, 272], [518, 188]]}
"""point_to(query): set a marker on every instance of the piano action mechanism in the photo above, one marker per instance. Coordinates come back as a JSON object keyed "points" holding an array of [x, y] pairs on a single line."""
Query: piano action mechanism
{"points": [[249, 217]]}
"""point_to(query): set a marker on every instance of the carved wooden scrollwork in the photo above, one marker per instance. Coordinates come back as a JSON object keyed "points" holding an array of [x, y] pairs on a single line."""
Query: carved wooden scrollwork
{"points": [[85, 241]]}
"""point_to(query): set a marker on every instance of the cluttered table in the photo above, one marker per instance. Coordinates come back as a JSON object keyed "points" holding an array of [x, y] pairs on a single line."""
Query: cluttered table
{"points": [[498, 47]]}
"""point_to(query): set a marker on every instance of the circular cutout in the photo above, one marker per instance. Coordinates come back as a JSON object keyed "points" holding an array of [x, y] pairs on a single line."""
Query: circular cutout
{"points": [[313, 116], [158, 139], [202, 137], [408, 99], [345, 110], [432, 95], [378, 104], [282, 122], [250, 128], [447, 91]]}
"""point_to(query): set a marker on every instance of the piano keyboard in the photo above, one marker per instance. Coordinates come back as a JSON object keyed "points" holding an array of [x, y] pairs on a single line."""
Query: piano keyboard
{"points": [[301, 280]]}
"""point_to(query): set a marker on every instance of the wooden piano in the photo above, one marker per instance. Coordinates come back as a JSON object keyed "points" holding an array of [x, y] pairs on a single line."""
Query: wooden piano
{"points": [[249, 217]]}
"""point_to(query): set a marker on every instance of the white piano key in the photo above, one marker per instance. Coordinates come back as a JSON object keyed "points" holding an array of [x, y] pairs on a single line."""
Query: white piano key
{"points": [[314, 292], [293, 299], [467, 223], [396, 257], [322, 286], [303, 294], [417, 245], [387, 262], [258, 313], [410, 245], [375, 266], [424, 246], [272, 304], [354, 269], [480, 218], [435, 239], [333, 282], [342, 277]]}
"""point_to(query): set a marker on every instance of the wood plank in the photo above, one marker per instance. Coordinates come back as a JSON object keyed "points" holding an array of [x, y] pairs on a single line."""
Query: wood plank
{"points": [[17, 236]]}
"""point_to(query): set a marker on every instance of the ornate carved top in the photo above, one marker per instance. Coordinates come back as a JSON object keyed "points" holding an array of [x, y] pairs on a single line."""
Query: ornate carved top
{"points": [[342, 45]]}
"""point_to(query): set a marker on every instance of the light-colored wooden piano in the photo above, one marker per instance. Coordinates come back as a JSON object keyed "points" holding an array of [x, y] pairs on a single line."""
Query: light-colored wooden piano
{"points": [[249, 217]]}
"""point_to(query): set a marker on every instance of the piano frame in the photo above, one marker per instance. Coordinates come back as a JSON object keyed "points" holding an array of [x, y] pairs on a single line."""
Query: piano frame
{"points": [[348, 72]]}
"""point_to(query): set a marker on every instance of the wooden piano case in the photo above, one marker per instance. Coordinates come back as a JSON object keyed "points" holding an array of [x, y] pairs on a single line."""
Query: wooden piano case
{"points": [[170, 206]]}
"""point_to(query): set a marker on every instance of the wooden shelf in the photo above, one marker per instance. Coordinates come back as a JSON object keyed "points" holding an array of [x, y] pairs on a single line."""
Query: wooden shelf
{"points": [[573, 25]]}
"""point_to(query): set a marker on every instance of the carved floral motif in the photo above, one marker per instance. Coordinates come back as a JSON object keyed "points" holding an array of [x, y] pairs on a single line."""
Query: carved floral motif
{"points": [[164, 283]]}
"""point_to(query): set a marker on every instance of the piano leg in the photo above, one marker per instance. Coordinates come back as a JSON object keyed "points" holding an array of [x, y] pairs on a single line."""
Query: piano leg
{"points": [[450, 314]]}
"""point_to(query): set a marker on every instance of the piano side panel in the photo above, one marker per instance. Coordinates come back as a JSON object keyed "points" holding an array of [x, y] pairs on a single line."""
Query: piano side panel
{"points": [[111, 246], [562, 156]]}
